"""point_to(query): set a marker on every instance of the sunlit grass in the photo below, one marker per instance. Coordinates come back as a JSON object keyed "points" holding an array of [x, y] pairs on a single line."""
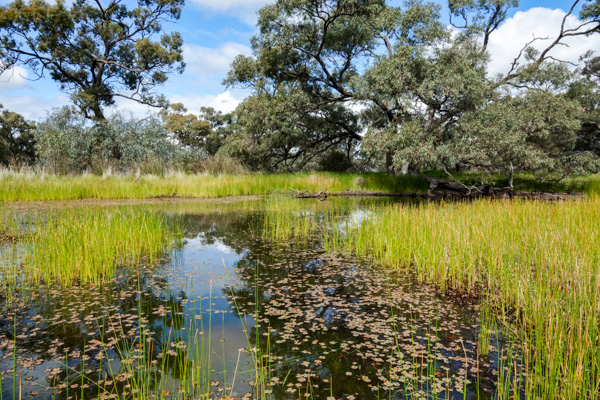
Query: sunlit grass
{"points": [[536, 263], [39, 187], [593, 185], [83, 245]]}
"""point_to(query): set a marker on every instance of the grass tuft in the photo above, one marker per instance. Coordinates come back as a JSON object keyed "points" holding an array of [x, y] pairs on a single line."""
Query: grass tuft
{"points": [[83, 245]]}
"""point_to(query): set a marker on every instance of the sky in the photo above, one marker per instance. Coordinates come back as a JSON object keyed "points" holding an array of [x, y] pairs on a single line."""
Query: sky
{"points": [[215, 31]]}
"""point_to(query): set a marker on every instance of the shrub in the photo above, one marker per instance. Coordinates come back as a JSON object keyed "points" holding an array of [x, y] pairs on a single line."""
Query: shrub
{"points": [[67, 143]]}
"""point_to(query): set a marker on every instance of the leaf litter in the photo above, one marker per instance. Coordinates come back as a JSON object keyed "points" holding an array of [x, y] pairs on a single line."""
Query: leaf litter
{"points": [[325, 324]]}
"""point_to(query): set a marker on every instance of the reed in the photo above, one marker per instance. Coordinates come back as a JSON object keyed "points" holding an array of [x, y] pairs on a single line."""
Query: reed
{"points": [[84, 245], [592, 187], [42, 187], [535, 263]]}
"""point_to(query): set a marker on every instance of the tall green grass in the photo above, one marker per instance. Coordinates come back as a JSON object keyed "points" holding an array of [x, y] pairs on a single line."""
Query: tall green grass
{"points": [[83, 245], [39, 187], [593, 186], [536, 264]]}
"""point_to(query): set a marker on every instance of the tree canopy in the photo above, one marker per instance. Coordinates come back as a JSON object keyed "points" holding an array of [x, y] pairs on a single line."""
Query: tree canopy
{"points": [[95, 50], [204, 133], [396, 84], [334, 84], [17, 142]]}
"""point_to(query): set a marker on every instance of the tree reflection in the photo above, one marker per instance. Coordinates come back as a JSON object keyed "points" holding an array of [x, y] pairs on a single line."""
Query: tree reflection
{"points": [[324, 325]]}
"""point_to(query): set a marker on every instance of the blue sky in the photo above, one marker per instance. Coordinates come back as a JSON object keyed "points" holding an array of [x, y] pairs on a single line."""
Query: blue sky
{"points": [[214, 31]]}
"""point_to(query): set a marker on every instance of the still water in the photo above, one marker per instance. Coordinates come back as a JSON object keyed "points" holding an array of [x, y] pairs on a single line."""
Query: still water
{"points": [[232, 313]]}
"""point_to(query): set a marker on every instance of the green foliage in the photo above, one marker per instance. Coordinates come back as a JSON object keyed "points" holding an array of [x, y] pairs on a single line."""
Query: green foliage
{"points": [[139, 142], [332, 160], [67, 143], [306, 55], [590, 10], [424, 99], [61, 142], [535, 132], [17, 143], [285, 130], [204, 133], [585, 89], [480, 17], [94, 51], [324, 72]]}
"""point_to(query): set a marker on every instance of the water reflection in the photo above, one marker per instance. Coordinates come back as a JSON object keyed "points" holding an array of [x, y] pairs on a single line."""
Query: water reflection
{"points": [[227, 302]]}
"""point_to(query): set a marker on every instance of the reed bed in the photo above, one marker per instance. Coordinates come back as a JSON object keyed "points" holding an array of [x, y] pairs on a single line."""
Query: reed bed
{"points": [[534, 265], [83, 245], [41, 187], [537, 263]]}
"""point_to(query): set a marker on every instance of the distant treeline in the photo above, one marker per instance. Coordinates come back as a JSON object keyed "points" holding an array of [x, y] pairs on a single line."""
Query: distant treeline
{"points": [[67, 143]]}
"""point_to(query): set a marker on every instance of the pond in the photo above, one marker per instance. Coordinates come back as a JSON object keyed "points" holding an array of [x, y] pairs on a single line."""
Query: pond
{"points": [[231, 312]]}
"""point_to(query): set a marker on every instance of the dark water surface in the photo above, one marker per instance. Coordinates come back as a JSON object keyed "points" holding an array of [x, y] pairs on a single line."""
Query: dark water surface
{"points": [[230, 301]]}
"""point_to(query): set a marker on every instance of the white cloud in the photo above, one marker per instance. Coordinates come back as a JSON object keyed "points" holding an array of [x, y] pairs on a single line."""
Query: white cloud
{"points": [[34, 108], [14, 77], [31, 107], [206, 61], [515, 32], [127, 107], [226, 101], [245, 10]]}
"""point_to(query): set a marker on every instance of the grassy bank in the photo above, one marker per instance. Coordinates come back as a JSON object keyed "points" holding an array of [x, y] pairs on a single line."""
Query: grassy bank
{"points": [[535, 265], [39, 187], [36, 186]]}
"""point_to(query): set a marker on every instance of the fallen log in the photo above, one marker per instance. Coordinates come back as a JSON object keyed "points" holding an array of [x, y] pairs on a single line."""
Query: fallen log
{"points": [[303, 194]]}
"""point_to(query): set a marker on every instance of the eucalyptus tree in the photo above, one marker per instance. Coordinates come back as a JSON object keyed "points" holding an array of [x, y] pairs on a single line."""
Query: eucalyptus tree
{"points": [[17, 142], [324, 72], [202, 133], [306, 60], [585, 89], [418, 94], [443, 94], [535, 132], [95, 50]]}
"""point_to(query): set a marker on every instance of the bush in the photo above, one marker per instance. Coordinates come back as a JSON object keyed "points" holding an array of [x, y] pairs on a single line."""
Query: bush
{"points": [[16, 139], [63, 144], [67, 143]]}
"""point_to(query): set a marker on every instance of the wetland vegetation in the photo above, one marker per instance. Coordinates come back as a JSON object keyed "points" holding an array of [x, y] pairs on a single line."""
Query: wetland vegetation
{"points": [[285, 298], [30, 185], [163, 256]]}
